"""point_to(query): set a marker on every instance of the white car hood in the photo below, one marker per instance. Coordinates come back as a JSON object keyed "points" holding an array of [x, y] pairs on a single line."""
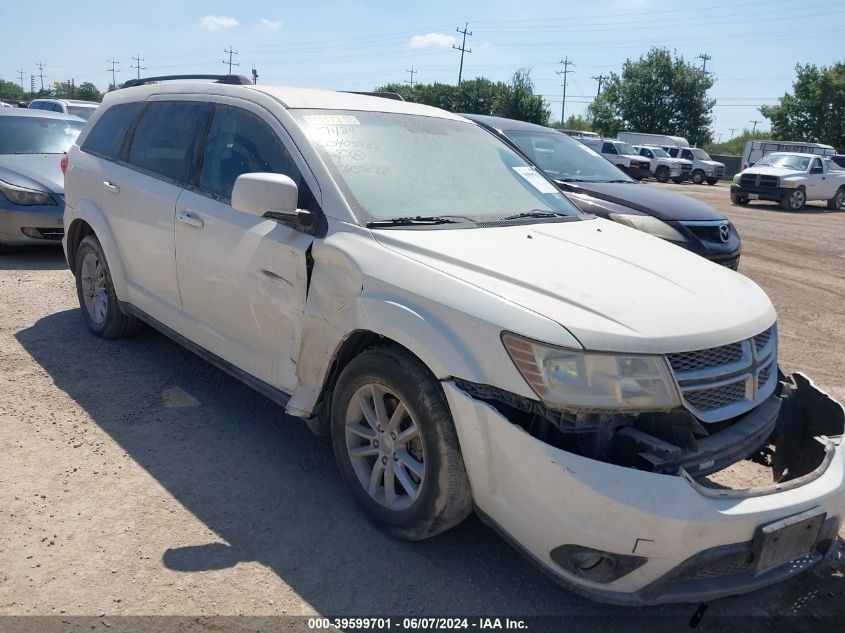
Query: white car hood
{"points": [[767, 170], [612, 287]]}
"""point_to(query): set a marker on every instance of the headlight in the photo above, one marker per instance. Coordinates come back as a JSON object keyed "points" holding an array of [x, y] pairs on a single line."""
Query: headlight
{"points": [[586, 381], [736, 179], [26, 197], [789, 184], [650, 225]]}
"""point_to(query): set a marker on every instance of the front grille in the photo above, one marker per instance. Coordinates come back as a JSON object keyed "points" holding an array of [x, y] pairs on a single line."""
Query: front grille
{"points": [[720, 171], [759, 180], [707, 232], [726, 381], [52, 234], [692, 361]]}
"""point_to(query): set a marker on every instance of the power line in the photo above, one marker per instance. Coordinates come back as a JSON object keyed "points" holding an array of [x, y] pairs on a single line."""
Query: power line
{"points": [[113, 70], [706, 58], [566, 64], [41, 73], [463, 48], [21, 74], [599, 79], [231, 52], [137, 65], [412, 71]]}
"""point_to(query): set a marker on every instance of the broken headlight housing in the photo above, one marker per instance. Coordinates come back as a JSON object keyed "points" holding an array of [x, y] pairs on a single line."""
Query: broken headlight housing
{"points": [[576, 380]]}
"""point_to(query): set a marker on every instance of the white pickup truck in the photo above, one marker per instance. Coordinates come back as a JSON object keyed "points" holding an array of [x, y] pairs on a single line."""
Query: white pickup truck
{"points": [[792, 179]]}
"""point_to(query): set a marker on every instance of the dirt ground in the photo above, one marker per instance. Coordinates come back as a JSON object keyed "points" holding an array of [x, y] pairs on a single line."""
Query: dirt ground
{"points": [[137, 479]]}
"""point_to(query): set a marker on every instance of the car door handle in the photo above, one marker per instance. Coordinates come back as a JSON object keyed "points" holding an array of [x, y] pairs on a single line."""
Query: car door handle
{"points": [[110, 187], [186, 218]]}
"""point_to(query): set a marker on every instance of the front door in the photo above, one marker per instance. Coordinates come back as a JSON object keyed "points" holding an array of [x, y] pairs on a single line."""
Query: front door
{"points": [[242, 278]]}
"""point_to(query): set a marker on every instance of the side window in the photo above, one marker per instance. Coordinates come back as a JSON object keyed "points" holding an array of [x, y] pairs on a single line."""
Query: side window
{"points": [[687, 154], [608, 148], [816, 166], [647, 153], [239, 142], [112, 130], [166, 139], [37, 105]]}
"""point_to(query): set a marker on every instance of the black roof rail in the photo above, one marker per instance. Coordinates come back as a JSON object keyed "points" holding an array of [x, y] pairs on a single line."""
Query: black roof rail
{"points": [[384, 95], [235, 80]]}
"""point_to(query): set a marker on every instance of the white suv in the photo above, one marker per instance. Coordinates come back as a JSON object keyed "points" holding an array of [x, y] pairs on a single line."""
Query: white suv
{"points": [[404, 282]]}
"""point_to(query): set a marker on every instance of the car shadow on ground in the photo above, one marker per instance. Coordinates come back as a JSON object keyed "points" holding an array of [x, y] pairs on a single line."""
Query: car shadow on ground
{"points": [[271, 491], [809, 209], [34, 258]]}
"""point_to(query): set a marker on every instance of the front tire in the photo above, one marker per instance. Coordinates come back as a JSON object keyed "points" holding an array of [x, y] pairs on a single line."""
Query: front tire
{"points": [[740, 200], [678, 180], [698, 177], [795, 201], [95, 290], [662, 173], [712, 181], [396, 444], [836, 201]]}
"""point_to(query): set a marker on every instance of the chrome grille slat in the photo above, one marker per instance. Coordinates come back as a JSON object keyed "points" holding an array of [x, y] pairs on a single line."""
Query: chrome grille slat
{"points": [[729, 380]]}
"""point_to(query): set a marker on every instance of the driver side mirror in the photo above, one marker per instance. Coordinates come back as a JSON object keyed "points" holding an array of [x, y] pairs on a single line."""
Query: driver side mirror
{"points": [[272, 196]]}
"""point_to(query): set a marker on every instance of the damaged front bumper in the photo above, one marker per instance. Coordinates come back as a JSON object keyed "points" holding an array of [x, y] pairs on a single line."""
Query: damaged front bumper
{"points": [[629, 536]]}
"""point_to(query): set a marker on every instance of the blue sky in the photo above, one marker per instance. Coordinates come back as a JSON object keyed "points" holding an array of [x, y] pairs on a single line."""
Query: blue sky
{"points": [[357, 45]]}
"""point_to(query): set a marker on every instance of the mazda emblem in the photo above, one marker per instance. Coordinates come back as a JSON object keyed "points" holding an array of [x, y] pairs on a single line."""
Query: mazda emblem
{"points": [[724, 232]]}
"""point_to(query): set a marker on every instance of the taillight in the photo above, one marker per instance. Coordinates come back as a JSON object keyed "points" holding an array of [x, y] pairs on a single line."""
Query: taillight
{"points": [[64, 163]]}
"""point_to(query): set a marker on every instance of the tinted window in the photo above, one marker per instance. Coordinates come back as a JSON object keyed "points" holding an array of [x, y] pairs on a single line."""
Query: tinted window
{"points": [[38, 105], [111, 132], [673, 152], [36, 134], [240, 143], [55, 107], [687, 154], [83, 112], [608, 148], [166, 139]]}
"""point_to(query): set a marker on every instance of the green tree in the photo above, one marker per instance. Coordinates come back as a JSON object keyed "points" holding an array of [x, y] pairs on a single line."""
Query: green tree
{"points": [[88, 92], [813, 112], [11, 92], [734, 146], [574, 122], [660, 93], [520, 102]]}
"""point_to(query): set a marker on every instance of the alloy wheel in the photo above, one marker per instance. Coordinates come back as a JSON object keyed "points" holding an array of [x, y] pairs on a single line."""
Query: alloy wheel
{"points": [[94, 288]]}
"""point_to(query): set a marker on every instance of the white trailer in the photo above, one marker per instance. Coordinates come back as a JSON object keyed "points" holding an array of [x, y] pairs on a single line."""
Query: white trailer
{"points": [[660, 140], [755, 150]]}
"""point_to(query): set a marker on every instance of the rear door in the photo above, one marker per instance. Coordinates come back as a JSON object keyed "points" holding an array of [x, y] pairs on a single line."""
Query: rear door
{"points": [[243, 278], [141, 194]]}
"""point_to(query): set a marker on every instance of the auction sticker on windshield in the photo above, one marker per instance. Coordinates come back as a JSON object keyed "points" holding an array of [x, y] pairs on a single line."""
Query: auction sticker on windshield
{"points": [[541, 184], [331, 119]]}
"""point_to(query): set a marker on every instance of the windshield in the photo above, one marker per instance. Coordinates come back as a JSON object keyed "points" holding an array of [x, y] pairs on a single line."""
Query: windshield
{"points": [[563, 158], [83, 112], [659, 152], [700, 154], [391, 165], [784, 160], [37, 134], [624, 148]]}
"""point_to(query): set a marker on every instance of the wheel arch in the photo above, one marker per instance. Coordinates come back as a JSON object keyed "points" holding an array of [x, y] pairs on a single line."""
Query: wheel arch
{"points": [[89, 220]]}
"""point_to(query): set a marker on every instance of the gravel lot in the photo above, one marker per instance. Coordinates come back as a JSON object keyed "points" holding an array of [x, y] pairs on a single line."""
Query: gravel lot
{"points": [[137, 479]]}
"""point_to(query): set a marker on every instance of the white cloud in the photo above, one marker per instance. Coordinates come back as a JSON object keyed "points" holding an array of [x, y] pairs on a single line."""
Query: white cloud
{"points": [[217, 22], [432, 40], [269, 25]]}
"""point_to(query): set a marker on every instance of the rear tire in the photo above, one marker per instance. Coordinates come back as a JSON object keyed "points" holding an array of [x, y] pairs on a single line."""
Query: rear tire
{"points": [[95, 290], [835, 202], [414, 487], [795, 201], [712, 181], [698, 177], [662, 173]]}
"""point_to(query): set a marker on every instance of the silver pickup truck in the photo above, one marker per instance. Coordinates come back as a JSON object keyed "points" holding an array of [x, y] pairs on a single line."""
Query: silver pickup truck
{"points": [[792, 179]]}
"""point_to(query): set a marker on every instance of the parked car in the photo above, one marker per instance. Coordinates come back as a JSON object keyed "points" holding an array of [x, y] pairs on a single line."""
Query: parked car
{"points": [[31, 183], [704, 169], [596, 187], [409, 284], [620, 154], [753, 151], [82, 109], [663, 166], [792, 179], [3, 104]]}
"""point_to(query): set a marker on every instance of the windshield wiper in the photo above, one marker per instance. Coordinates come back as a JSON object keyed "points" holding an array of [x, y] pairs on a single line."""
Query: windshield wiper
{"points": [[418, 220], [537, 213], [570, 179]]}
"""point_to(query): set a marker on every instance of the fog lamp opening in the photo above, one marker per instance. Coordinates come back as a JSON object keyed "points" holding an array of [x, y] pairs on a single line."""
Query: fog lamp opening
{"points": [[595, 565]]}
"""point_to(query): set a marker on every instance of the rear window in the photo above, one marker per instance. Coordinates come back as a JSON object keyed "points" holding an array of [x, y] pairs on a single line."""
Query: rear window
{"points": [[83, 112], [37, 134], [166, 138], [112, 130]]}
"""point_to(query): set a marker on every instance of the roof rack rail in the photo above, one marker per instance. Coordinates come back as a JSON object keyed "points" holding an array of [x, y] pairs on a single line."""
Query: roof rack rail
{"points": [[236, 80], [384, 95]]}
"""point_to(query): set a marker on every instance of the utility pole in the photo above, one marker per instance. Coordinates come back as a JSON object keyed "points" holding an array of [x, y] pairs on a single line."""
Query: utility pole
{"points": [[731, 130], [566, 64], [254, 75], [706, 58], [413, 71], [599, 79], [755, 125], [230, 62], [113, 70], [21, 74], [31, 85], [137, 65], [719, 140], [463, 48], [41, 73]]}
